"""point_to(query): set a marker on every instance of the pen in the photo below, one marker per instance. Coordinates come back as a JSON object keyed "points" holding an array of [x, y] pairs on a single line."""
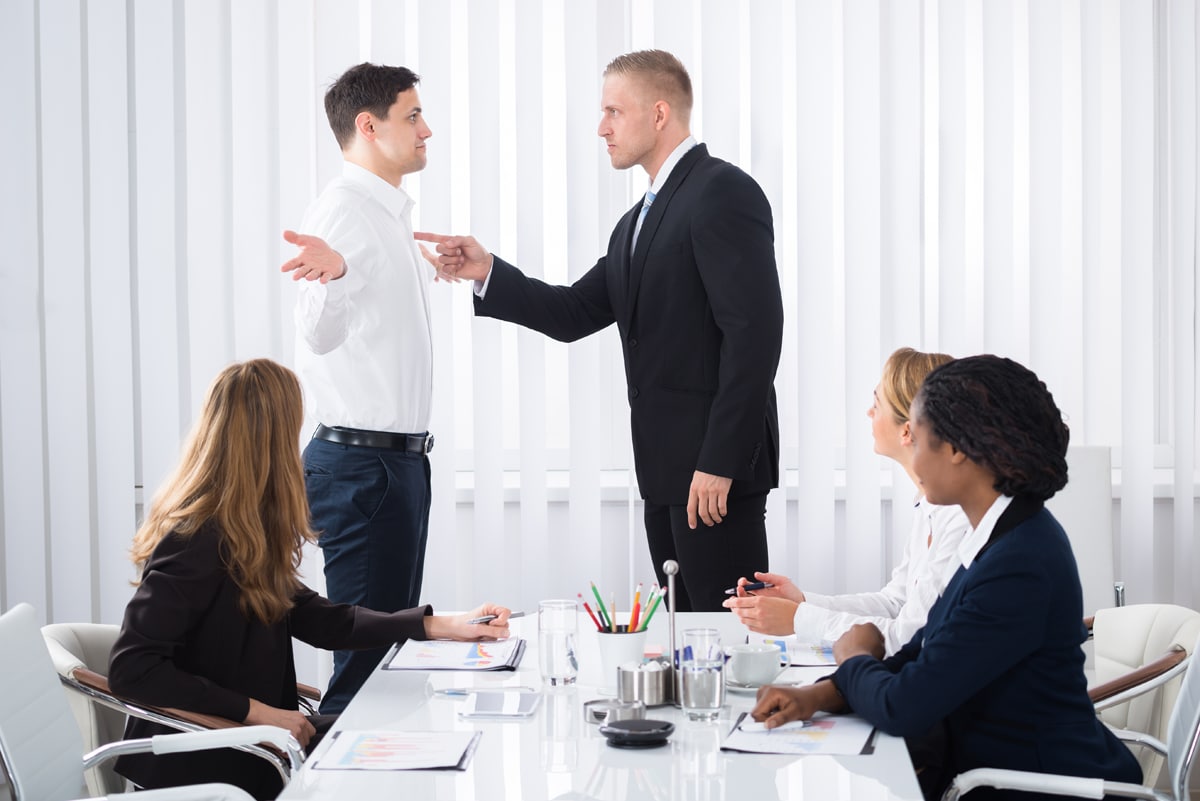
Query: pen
{"points": [[751, 587], [591, 614], [657, 597], [600, 605], [489, 618]]}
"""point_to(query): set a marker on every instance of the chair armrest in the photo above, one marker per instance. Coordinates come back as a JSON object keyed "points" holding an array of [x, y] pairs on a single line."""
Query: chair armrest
{"points": [[1140, 738], [306, 696], [167, 716], [95, 686], [1142, 680], [192, 792], [240, 736], [308, 691], [1031, 782]]}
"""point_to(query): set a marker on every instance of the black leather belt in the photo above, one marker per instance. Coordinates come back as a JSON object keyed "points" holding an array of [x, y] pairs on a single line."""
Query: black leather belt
{"points": [[413, 443]]}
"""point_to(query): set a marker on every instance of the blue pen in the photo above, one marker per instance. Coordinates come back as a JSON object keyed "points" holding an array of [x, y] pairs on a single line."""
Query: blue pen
{"points": [[751, 587]]}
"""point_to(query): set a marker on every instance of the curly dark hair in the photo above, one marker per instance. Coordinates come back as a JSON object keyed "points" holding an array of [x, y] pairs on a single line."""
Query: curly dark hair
{"points": [[1002, 416]]}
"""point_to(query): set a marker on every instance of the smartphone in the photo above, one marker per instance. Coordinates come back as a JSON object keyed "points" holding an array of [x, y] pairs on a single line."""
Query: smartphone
{"points": [[500, 704]]}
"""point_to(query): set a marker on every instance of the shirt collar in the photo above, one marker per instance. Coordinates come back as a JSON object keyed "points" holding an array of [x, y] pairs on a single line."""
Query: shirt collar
{"points": [[973, 543], [394, 199], [664, 172]]}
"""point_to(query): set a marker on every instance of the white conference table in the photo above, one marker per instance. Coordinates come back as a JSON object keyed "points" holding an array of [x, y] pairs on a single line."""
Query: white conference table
{"points": [[557, 754]]}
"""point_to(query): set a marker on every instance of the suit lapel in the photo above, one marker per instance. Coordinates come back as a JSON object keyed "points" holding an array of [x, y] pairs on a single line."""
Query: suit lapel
{"points": [[658, 210]]}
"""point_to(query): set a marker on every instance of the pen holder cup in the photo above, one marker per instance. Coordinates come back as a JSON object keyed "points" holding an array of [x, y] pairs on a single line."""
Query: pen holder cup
{"points": [[652, 683], [618, 648]]}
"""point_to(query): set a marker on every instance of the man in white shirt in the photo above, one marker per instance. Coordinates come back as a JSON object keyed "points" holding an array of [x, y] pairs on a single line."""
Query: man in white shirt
{"points": [[364, 352]]}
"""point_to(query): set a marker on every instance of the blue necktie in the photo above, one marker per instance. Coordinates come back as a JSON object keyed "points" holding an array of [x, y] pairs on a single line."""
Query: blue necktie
{"points": [[637, 229]]}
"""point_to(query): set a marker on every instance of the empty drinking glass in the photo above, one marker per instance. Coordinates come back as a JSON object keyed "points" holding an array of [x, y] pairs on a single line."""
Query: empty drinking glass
{"points": [[557, 623]]}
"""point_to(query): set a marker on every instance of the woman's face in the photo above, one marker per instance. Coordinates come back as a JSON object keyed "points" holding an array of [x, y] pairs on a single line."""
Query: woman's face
{"points": [[932, 460], [888, 434]]}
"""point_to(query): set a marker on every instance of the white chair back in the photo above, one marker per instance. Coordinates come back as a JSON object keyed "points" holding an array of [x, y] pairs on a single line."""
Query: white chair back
{"points": [[41, 744], [1084, 508], [1183, 732], [1128, 637], [88, 645]]}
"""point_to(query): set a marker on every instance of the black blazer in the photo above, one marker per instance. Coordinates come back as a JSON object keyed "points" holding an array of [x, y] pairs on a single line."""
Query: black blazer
{"points": [[999, 663], [185, 644], [700, 315]]}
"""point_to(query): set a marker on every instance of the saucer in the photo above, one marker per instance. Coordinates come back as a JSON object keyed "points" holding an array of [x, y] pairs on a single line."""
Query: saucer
{"points": [[750, 689]]}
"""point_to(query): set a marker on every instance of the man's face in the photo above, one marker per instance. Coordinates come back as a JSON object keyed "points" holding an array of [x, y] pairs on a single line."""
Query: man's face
{"points": [[627, 122], [401, 136]]}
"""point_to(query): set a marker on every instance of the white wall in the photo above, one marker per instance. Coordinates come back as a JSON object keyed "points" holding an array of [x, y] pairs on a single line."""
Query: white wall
{"points": [[1016, 176]]}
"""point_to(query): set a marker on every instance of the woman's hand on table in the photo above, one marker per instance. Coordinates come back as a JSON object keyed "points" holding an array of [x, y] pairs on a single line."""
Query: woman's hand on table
{"points": [[779, 705]]}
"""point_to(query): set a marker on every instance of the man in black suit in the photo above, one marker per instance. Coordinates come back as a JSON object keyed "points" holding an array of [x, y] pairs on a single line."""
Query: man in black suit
{"points": [[690, 281]]}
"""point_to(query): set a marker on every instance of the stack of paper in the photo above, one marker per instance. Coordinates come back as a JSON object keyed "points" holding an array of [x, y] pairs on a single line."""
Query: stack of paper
{"points": [[398, 750], [449, 655]]}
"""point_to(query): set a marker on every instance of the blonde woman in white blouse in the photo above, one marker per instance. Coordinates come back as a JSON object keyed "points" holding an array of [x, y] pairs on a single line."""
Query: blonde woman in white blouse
{"points": [[899, 609]]}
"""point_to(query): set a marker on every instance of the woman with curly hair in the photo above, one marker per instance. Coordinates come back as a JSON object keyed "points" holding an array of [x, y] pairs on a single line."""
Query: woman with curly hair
{"points": [[209, 628], [995, 679]]}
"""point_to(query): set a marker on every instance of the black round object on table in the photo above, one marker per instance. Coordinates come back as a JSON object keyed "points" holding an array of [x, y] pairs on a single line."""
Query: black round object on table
{"points": [[637, 733]]}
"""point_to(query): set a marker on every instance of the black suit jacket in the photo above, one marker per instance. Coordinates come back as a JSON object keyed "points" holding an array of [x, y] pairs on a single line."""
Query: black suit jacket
{"points": [[184, 643], [700, 315]]}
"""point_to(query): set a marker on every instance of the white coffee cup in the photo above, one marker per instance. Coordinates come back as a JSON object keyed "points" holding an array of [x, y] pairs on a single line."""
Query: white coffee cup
{"points": [[753, 664]]}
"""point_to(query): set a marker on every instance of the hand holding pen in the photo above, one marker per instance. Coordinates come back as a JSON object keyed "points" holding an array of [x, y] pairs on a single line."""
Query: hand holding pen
{"points": [[767, 585]]}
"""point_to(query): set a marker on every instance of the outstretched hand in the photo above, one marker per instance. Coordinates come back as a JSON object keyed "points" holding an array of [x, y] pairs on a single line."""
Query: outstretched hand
{"points": [[456, 627], [459, 257], [316, 260]]}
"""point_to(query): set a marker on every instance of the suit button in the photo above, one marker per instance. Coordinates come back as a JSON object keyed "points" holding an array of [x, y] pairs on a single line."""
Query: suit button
{"points": [[633, 342], [633, 392]]}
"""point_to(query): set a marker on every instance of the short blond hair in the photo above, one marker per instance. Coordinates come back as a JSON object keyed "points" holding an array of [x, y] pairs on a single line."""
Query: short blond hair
{"points": [[662, 73]]}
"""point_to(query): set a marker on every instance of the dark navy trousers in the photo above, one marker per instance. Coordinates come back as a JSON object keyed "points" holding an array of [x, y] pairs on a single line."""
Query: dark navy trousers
{"points": [[370, 508]]}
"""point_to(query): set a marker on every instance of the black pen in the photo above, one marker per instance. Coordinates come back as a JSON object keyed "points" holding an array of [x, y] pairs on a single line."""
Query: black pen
{"points": [[751, 587], [489, 618]]}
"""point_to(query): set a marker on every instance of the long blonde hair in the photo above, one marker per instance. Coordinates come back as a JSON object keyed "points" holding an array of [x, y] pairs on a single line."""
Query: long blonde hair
{"points": [[241, 470]]}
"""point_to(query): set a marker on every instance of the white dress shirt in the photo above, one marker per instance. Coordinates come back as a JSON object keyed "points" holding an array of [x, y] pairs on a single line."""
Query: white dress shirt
{"points": [[899, 610], [364, 342]]}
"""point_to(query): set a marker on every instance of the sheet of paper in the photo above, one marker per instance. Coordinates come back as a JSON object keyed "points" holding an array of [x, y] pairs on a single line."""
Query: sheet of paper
{"points": [[448, 655], [824, 734], [398, 750]]}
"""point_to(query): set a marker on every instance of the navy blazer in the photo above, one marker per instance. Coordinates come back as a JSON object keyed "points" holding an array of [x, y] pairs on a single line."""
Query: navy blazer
{"points": [[700, 315], [999, 662], [185, 644]]}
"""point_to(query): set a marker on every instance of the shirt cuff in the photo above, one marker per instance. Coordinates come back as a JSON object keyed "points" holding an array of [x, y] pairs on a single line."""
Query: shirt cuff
{"points": [[481, 287]]}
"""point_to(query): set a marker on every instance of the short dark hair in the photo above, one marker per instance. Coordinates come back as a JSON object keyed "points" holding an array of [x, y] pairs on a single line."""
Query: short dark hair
{"points": [[365, 87], [1003, 417]]}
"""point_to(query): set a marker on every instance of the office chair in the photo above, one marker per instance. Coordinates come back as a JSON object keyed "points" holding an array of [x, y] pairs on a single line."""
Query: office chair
{"points": [[40, 744], [1180, 750], [80, 653], [1141, 653]]}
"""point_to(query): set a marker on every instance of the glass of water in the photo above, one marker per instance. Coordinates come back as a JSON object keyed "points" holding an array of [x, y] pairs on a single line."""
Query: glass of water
{"points": [[702, 664], [557, 624]]}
